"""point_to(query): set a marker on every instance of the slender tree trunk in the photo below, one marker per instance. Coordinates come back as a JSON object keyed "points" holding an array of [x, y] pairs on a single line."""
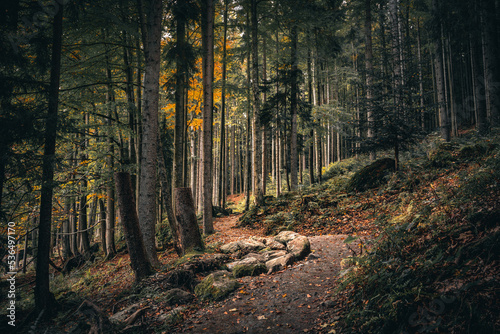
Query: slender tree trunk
{"points": [[439, 73], [369, 75], [180, 122], [256, 128], [148, 173], [420, 77], [208, 74], [293, 106], [222, 151], [102, 220], [44, 299], [139, 260], [489, 39]]}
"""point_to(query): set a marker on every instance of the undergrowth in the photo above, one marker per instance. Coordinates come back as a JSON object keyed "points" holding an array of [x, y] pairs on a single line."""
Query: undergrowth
{"points": [[432, 261]]}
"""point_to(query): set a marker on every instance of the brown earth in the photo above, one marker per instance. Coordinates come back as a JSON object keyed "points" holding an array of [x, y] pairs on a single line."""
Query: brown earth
{"points": [[289, 301]]}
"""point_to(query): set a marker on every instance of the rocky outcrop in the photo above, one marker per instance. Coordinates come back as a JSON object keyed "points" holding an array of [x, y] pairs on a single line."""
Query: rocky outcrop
{"points": [[266, 254]]}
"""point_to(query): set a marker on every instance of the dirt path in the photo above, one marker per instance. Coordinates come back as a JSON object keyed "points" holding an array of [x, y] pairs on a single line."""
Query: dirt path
{"points": [[289, 301]]}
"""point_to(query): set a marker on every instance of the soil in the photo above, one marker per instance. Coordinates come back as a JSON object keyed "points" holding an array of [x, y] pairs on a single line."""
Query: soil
{"points": [[290, 301]]}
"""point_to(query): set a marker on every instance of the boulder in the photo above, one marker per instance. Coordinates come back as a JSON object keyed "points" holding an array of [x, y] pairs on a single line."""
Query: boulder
{"points": [[250, 245], [273, 244], [299, 247], [249, 260], [279, 263], [216, 286], [231, 247], [178, 297], [286, 236], [272, 254], [241, 270]]}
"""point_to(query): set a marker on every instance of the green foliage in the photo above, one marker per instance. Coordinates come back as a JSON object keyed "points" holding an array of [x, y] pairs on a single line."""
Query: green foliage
{"points": [[431, 269]]}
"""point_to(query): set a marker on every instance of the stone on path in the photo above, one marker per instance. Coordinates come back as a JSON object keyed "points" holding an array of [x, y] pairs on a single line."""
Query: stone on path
{"points": [[216, 286], [299, 247]]}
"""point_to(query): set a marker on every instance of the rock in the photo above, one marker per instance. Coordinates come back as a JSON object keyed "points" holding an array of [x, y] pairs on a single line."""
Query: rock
{"points": [[299, 247], [273, 244], [250, 245], [216, 286], [241, 270], [173, 316], [251, 265], [246, 261], [279, 263], [120, 317], [371, 176], [286, 236], [231, 247], [178, 297], [273, 254]]}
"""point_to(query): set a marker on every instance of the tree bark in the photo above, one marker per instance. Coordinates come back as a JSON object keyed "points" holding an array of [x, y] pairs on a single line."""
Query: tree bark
{"points": [[208, 12], [439, 73], [148, 172], [139, 260], [44, 299], [185, 213], [256, 128], [369, 75], [293, 108], [180, 122], [222, 151]]}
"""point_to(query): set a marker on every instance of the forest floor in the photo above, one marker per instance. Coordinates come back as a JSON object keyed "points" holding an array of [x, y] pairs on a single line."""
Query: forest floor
{"points": [[417, 252], [290, 301]]}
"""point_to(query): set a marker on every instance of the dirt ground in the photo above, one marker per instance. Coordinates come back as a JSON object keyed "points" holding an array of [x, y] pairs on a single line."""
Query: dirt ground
{"points": [[290, 301]]}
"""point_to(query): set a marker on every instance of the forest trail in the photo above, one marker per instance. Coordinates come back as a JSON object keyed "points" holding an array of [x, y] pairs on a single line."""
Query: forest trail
{"points": [[289, 301]]}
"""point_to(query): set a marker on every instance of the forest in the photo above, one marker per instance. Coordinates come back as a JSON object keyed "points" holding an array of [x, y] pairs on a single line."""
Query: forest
{"points": [[145, 144]]}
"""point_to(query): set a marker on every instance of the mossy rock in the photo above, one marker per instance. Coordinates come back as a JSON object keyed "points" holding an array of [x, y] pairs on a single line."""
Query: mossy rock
{"points": [[242, 270], [471, 152], [178, 297], [371, 176], [216, 286]]}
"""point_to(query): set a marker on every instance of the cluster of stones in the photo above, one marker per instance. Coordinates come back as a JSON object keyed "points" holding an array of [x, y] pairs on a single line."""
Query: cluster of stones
{"points": [[255, 256]]}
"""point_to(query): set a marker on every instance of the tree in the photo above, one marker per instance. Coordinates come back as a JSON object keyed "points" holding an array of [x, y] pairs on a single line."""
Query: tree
{"points": [[44, 299], [208, 12], [148, 172], [139, 260]]}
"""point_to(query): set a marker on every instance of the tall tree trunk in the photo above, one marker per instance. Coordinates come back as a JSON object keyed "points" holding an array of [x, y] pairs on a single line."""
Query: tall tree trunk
{"points": [[439, 74], [180, 122], [369, 75], [44, 299], [139, 260], [293, 107], [256, 126], [489, 39], [222, 151], [208, 12], [148, 172]]}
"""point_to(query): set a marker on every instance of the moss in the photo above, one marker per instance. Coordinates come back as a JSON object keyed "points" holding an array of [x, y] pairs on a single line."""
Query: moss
{"points": [[371, 176], [216, 286], [249, 270], [471, 152]]}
